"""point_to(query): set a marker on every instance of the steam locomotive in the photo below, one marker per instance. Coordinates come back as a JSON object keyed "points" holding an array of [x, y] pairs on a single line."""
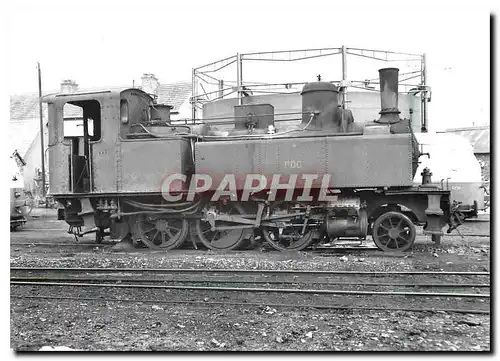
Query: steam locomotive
{"points": [[133, 174]]}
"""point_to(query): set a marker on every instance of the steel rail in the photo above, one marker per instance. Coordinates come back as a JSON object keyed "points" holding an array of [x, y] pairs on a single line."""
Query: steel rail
{"points": [[62, 244], [254, 289], [386, 284], [232, 270], [467, 235], [257, 304], [326, 250]]}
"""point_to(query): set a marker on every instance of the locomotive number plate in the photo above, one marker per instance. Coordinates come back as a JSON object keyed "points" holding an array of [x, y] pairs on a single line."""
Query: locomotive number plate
{"points": [[293, 164]]}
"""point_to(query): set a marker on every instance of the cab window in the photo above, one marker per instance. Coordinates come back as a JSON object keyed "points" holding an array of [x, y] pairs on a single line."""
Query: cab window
{"points": [[80, 116]]}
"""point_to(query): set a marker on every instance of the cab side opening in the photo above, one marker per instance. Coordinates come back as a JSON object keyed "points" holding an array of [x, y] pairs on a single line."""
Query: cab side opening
{"points": [[81, 125]]}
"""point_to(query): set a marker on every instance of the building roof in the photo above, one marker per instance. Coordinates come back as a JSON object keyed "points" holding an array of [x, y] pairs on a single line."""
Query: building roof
{"points": [[478, 136], [174, 94], [25, 114]]}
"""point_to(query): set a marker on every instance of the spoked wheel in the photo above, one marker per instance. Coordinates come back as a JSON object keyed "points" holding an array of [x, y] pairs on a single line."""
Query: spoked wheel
{"points": [[286, 234], [162, 233], [223, 240], [393, 231]]}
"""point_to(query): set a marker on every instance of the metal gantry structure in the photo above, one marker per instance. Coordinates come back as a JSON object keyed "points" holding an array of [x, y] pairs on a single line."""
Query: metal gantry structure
{"points": [[209, 76]]}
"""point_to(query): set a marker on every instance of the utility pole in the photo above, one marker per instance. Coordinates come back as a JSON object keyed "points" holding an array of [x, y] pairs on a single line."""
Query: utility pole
{"points": [[41, 130], [423, 94]]}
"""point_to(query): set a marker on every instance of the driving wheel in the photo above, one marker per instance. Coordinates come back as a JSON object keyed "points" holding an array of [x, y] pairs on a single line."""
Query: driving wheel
{"points": [[288, 234], [163, 233], [222, 240]]}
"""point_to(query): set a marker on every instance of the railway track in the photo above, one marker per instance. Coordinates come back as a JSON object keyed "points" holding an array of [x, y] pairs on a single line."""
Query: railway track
{"points": [[242, 271], [300, 286]]}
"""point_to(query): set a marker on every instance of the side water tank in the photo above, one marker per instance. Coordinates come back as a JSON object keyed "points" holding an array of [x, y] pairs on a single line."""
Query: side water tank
{"points": [[321, 97]]}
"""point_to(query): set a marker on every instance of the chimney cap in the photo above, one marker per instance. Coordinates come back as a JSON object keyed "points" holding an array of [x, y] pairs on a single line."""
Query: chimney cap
{"points": [[68, 82], [68, 86]]}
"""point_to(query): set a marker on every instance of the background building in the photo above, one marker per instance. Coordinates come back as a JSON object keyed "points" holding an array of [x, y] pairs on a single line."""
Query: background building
{"points": [[479, 138]]}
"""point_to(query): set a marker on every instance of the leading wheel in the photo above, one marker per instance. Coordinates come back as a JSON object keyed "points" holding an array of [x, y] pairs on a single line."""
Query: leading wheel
{"points": [[288, 234], [164, 233], [222, 240], [393, 231]]}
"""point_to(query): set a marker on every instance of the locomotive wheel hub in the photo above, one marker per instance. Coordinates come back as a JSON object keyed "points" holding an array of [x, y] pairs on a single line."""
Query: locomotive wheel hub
{"points": [[394, 233], [162, 225]]}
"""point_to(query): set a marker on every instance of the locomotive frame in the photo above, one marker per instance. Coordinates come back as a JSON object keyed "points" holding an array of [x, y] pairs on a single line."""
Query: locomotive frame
{"points": [[111, 179]]}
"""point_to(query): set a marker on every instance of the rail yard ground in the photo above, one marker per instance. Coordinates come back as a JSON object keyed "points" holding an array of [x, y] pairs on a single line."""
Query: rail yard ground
{"points": [[129, 318]]}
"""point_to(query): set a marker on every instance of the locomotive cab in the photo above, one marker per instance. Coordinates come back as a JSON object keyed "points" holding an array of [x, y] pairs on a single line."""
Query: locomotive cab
{"points": [[105, 144], [83, 132]]}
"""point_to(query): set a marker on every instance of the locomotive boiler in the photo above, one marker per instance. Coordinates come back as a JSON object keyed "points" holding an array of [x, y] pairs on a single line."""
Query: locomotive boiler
{"points": [[133, 174]]}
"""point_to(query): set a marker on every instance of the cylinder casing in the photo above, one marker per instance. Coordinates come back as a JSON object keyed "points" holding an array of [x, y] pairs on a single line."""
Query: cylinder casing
{"points": [[347, 226]]}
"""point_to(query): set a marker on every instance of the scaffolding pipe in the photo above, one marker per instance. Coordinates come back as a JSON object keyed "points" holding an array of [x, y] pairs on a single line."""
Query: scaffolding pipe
{"points": [[343, 120], [221, 88], [344, 50], [193, 96], [239, 78]]}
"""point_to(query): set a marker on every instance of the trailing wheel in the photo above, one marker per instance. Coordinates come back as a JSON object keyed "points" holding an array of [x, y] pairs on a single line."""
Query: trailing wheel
{"points": [[393, 231], [288, 234], [222, 240], [162, 232]]}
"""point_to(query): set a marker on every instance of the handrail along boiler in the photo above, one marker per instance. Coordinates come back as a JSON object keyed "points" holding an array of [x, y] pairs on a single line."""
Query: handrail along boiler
{"points": [[109, 178]]}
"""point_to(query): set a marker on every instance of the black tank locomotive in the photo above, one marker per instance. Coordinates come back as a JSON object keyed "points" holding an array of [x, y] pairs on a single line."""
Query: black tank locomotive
{"points": [[134, 174]]}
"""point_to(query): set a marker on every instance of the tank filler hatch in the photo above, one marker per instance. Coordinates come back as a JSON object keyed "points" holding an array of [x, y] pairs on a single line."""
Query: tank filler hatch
{"points": [[253, 118]]}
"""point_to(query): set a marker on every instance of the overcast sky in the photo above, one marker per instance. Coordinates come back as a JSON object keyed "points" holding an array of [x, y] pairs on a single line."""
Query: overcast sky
{"points": [[106, 43]]}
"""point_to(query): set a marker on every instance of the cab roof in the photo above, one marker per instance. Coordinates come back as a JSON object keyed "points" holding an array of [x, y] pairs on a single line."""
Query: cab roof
{"points": [[88, 94]]}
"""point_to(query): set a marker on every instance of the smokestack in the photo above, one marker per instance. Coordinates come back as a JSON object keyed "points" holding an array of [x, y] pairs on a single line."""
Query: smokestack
{"points": [[389, 96], [69, 86]]}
